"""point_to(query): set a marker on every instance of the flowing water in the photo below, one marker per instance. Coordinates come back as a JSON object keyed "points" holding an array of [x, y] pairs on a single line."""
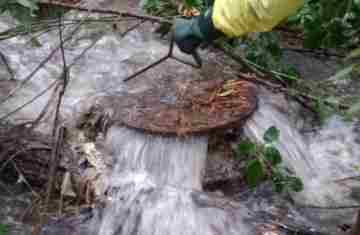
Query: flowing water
{"points": [[322, 159], [155, 186], [156, 189]]}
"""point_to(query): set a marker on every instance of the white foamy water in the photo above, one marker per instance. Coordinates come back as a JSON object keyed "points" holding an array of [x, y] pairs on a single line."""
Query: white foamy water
{"points": [[319, 159], [156, 189], [156, 181]]}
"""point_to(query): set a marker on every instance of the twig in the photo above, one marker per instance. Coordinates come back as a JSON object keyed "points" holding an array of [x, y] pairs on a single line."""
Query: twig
{"points": [[355, 230], [61, 201], [294, 230], [58, 131], [319, 52], [111, 12], [29, 102], [53, 163], [84, 52], [328, 207], [238, 59], [7, 66], [347, 178], [132, 28], [24, 179], [10, 159], [163, 59], [41, 65], [46, 26], [13, 156], [289, 91], [36, 122], [143, 70], [29, 208]]}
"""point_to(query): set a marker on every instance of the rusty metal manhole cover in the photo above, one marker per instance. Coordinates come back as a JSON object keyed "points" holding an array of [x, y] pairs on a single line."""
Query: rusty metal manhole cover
{"points": [[183, 107]]}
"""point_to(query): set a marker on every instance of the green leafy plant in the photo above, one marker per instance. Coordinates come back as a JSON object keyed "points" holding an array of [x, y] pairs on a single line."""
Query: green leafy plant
{"points": [[160, 7], [329, 23], [264, 50], [3, 229], [193, 3], [23, 10], [264, 162], [28, 11], [170, 8]]}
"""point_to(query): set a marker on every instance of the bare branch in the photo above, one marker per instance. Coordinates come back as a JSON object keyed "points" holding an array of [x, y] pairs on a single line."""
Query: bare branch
{"points": [[111, 12], [7, 66], [37, 121], [58, 131], [21, 175], [29, 102], [328, 207], [41, 65], [132, 28]]}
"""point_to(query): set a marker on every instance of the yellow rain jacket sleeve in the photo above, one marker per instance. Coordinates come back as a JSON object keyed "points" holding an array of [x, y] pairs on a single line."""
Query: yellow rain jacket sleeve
{"points": [[239, 17]]}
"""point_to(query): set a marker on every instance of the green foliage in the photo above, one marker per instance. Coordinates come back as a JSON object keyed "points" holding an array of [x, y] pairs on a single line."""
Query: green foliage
{"points": [[3, 229], [254, 172], [28, 11], [264, 163], [160, 7], [264, 50], [22, 10], [329, 23], [192, 3], [271, 135], [246, 148], [170, 8]]}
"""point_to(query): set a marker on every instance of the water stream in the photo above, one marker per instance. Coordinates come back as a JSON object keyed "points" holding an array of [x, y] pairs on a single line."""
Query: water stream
{"points": [[322, 159], [155, 185]]}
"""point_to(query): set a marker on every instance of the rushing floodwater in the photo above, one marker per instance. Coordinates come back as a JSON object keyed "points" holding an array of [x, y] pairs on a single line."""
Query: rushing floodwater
{"points": [[156, 189], [156, 181]]}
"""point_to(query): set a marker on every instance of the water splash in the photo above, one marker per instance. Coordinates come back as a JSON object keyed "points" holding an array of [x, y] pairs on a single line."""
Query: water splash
{"points": [[156, 189], [319, 159], [292, 146], [336, 152]]}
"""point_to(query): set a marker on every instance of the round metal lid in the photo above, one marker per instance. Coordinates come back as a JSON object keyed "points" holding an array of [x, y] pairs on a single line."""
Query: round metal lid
{"points": [[183, 107]]}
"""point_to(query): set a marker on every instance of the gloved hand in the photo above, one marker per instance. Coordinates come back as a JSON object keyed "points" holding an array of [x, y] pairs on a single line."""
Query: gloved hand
{"points": [[189, 34]]}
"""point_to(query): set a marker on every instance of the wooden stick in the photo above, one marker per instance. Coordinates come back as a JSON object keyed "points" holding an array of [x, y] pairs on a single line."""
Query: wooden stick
{"points": [[111, 12], [356, 227]]}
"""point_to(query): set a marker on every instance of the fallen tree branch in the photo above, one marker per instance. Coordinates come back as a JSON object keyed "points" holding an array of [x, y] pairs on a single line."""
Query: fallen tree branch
{"points": [[299, 96], [262, 77], [58, 131], [111, 12], [328, 207]]}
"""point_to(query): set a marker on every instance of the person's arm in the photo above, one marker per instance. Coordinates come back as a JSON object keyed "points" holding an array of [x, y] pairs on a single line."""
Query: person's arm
{"points": [[238, 17], [232, 18]]}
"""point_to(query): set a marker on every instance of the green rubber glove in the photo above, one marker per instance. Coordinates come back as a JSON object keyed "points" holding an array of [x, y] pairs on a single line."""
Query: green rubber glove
{"points": [[190, 34]]}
